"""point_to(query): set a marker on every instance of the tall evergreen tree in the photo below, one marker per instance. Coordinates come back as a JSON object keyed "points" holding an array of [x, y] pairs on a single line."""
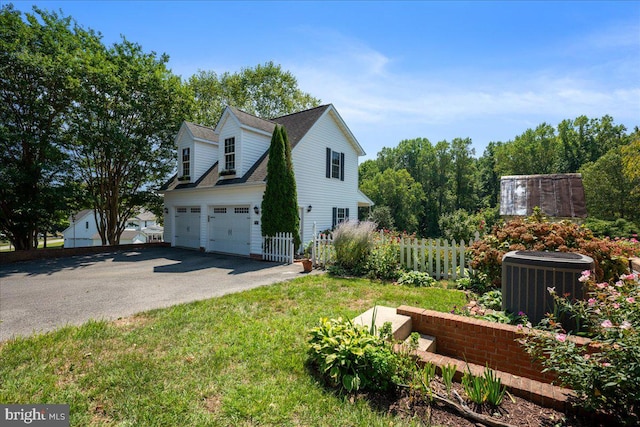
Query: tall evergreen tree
{"points": [[280, 200]]}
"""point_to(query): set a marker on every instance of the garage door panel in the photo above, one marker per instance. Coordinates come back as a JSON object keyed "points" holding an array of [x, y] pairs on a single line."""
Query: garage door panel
{"points": [[229, 229], [187, 227]]}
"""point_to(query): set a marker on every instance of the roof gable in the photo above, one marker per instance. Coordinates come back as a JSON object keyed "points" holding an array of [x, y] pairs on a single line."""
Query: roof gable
{"points": [[197, 132], [297, 126]]}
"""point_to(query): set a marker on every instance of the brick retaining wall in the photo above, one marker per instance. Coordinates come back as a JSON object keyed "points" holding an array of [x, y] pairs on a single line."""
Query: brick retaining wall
{"points": [[478, 341]]}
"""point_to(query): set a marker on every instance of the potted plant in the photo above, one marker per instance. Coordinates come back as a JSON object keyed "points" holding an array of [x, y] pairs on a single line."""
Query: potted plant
{"points": [[307, 264]]}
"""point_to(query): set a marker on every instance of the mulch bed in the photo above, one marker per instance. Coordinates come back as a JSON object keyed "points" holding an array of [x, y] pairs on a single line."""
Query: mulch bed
{"points": [[413, 405]]}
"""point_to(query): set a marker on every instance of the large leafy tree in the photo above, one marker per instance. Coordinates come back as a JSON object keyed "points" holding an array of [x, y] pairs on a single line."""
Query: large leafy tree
{"points": [[533, 152], [127, 111], [38, 79], [400, 192], [280, 199], [266, 91], [609, 192]]}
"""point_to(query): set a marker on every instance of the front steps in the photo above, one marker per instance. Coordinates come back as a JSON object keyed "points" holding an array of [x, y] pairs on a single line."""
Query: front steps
{"points": [[400, 326]]}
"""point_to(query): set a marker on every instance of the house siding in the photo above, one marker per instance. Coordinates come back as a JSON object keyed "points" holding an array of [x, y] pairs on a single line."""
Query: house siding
{"points": [[204, 156], [313, 187], [254, 145]]}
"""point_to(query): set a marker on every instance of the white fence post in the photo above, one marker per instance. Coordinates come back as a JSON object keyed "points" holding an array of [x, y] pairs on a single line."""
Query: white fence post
{"points": [[278, 248]]}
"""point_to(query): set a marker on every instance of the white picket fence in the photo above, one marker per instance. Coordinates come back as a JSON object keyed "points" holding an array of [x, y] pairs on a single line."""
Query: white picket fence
{"points": [[437, 257], [278, 248]]}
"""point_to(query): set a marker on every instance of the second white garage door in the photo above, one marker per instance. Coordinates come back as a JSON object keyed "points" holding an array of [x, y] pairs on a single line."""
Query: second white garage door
{"points": [[230, 229]]}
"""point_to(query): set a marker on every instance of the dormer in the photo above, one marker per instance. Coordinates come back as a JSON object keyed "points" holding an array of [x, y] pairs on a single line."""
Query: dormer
{"points": [[197, 151], [243, 140]]}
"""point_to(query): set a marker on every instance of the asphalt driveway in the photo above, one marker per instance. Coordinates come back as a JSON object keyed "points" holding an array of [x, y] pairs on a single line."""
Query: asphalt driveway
{"points": [[39, 296]]}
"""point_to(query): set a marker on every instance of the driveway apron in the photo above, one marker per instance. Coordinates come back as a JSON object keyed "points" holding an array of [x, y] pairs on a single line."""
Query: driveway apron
{"points": [[39, 296]]}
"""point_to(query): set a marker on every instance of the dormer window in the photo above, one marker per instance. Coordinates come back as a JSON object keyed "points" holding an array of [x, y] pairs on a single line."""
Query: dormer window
{"points": [[186, 162], [230, 154]]}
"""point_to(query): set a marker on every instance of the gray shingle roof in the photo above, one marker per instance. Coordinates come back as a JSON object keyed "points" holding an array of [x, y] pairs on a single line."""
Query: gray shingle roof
{"points": [[202, 132]]}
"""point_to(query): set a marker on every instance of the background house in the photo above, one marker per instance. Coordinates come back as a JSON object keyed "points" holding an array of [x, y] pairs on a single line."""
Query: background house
{"points": [[214, 201], [83, 230]]}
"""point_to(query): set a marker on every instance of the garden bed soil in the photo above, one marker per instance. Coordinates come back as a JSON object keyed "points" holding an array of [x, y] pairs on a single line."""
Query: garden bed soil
{"points": [[413, 405]]}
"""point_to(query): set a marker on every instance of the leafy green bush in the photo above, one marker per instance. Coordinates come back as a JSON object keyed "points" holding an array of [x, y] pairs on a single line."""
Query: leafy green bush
{"points": [[416, 278], [538, 234], [475, 281], [383, 217], [384, 260], [491, 300], [458, 225], [353, 242], [618, 228], [351, 358], [606, 374]]}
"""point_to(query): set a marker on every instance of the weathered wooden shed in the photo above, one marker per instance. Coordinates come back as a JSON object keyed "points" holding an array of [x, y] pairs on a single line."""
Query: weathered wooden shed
{"points": [[558, 195]]}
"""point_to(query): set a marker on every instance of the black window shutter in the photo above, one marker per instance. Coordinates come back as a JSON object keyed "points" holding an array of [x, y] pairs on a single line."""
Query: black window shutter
{"points": [[328, 162], [335, 217], [346, 214], [341, 166]]}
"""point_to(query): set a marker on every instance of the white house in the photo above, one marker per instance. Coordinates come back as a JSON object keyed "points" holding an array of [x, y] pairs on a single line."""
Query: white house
{"points": [[213, 203], [83, 230]]}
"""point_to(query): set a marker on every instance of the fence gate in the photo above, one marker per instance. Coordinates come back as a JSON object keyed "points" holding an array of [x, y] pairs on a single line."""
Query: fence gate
{"points": [[278, 248]]}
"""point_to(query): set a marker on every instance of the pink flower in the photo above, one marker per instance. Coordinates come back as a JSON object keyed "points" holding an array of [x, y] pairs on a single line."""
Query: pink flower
{"points": [[606, 324], [601, 285], [631, 300], [619, 283], [587, 356], [592, 302], [561, 337], [585, 276], [625, 325], [605, 364], [616, 305], [519, 327]]}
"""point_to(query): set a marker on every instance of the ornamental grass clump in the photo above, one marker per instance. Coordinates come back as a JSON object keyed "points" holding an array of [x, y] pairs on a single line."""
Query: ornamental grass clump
{"points": [[353, 242], [606, 373]]}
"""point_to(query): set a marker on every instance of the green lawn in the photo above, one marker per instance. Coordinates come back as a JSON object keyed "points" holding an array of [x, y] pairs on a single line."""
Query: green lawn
{"points": [[237, 360]]}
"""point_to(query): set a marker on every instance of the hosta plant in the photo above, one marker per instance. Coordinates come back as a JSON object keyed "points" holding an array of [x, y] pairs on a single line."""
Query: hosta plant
{"points": [[350, 357]]}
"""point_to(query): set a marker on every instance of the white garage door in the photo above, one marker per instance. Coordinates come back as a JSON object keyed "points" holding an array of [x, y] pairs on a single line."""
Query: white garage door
{"points": [[230, 229], [187, 225]]}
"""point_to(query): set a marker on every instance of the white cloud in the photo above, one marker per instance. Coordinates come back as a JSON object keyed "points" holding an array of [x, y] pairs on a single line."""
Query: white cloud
{"points": [[370, 94]]}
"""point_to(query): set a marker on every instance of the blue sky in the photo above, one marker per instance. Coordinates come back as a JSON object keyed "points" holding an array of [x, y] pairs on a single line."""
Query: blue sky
{"points": [[399, 70]]}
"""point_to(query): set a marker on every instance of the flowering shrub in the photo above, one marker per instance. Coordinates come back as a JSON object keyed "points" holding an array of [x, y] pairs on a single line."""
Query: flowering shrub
{"points": [[384, 260], [537, 234], [606, 373]]}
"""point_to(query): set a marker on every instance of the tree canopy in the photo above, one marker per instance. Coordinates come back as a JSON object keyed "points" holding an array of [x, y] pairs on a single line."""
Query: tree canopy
{"points": [[265, 91], [452, 178], [38, 80]]}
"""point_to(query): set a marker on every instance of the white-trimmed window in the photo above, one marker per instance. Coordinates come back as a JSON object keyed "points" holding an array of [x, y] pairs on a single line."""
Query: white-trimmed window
{"points": [[186, 162], [340, 215], [230, 154], [335, 164]]}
